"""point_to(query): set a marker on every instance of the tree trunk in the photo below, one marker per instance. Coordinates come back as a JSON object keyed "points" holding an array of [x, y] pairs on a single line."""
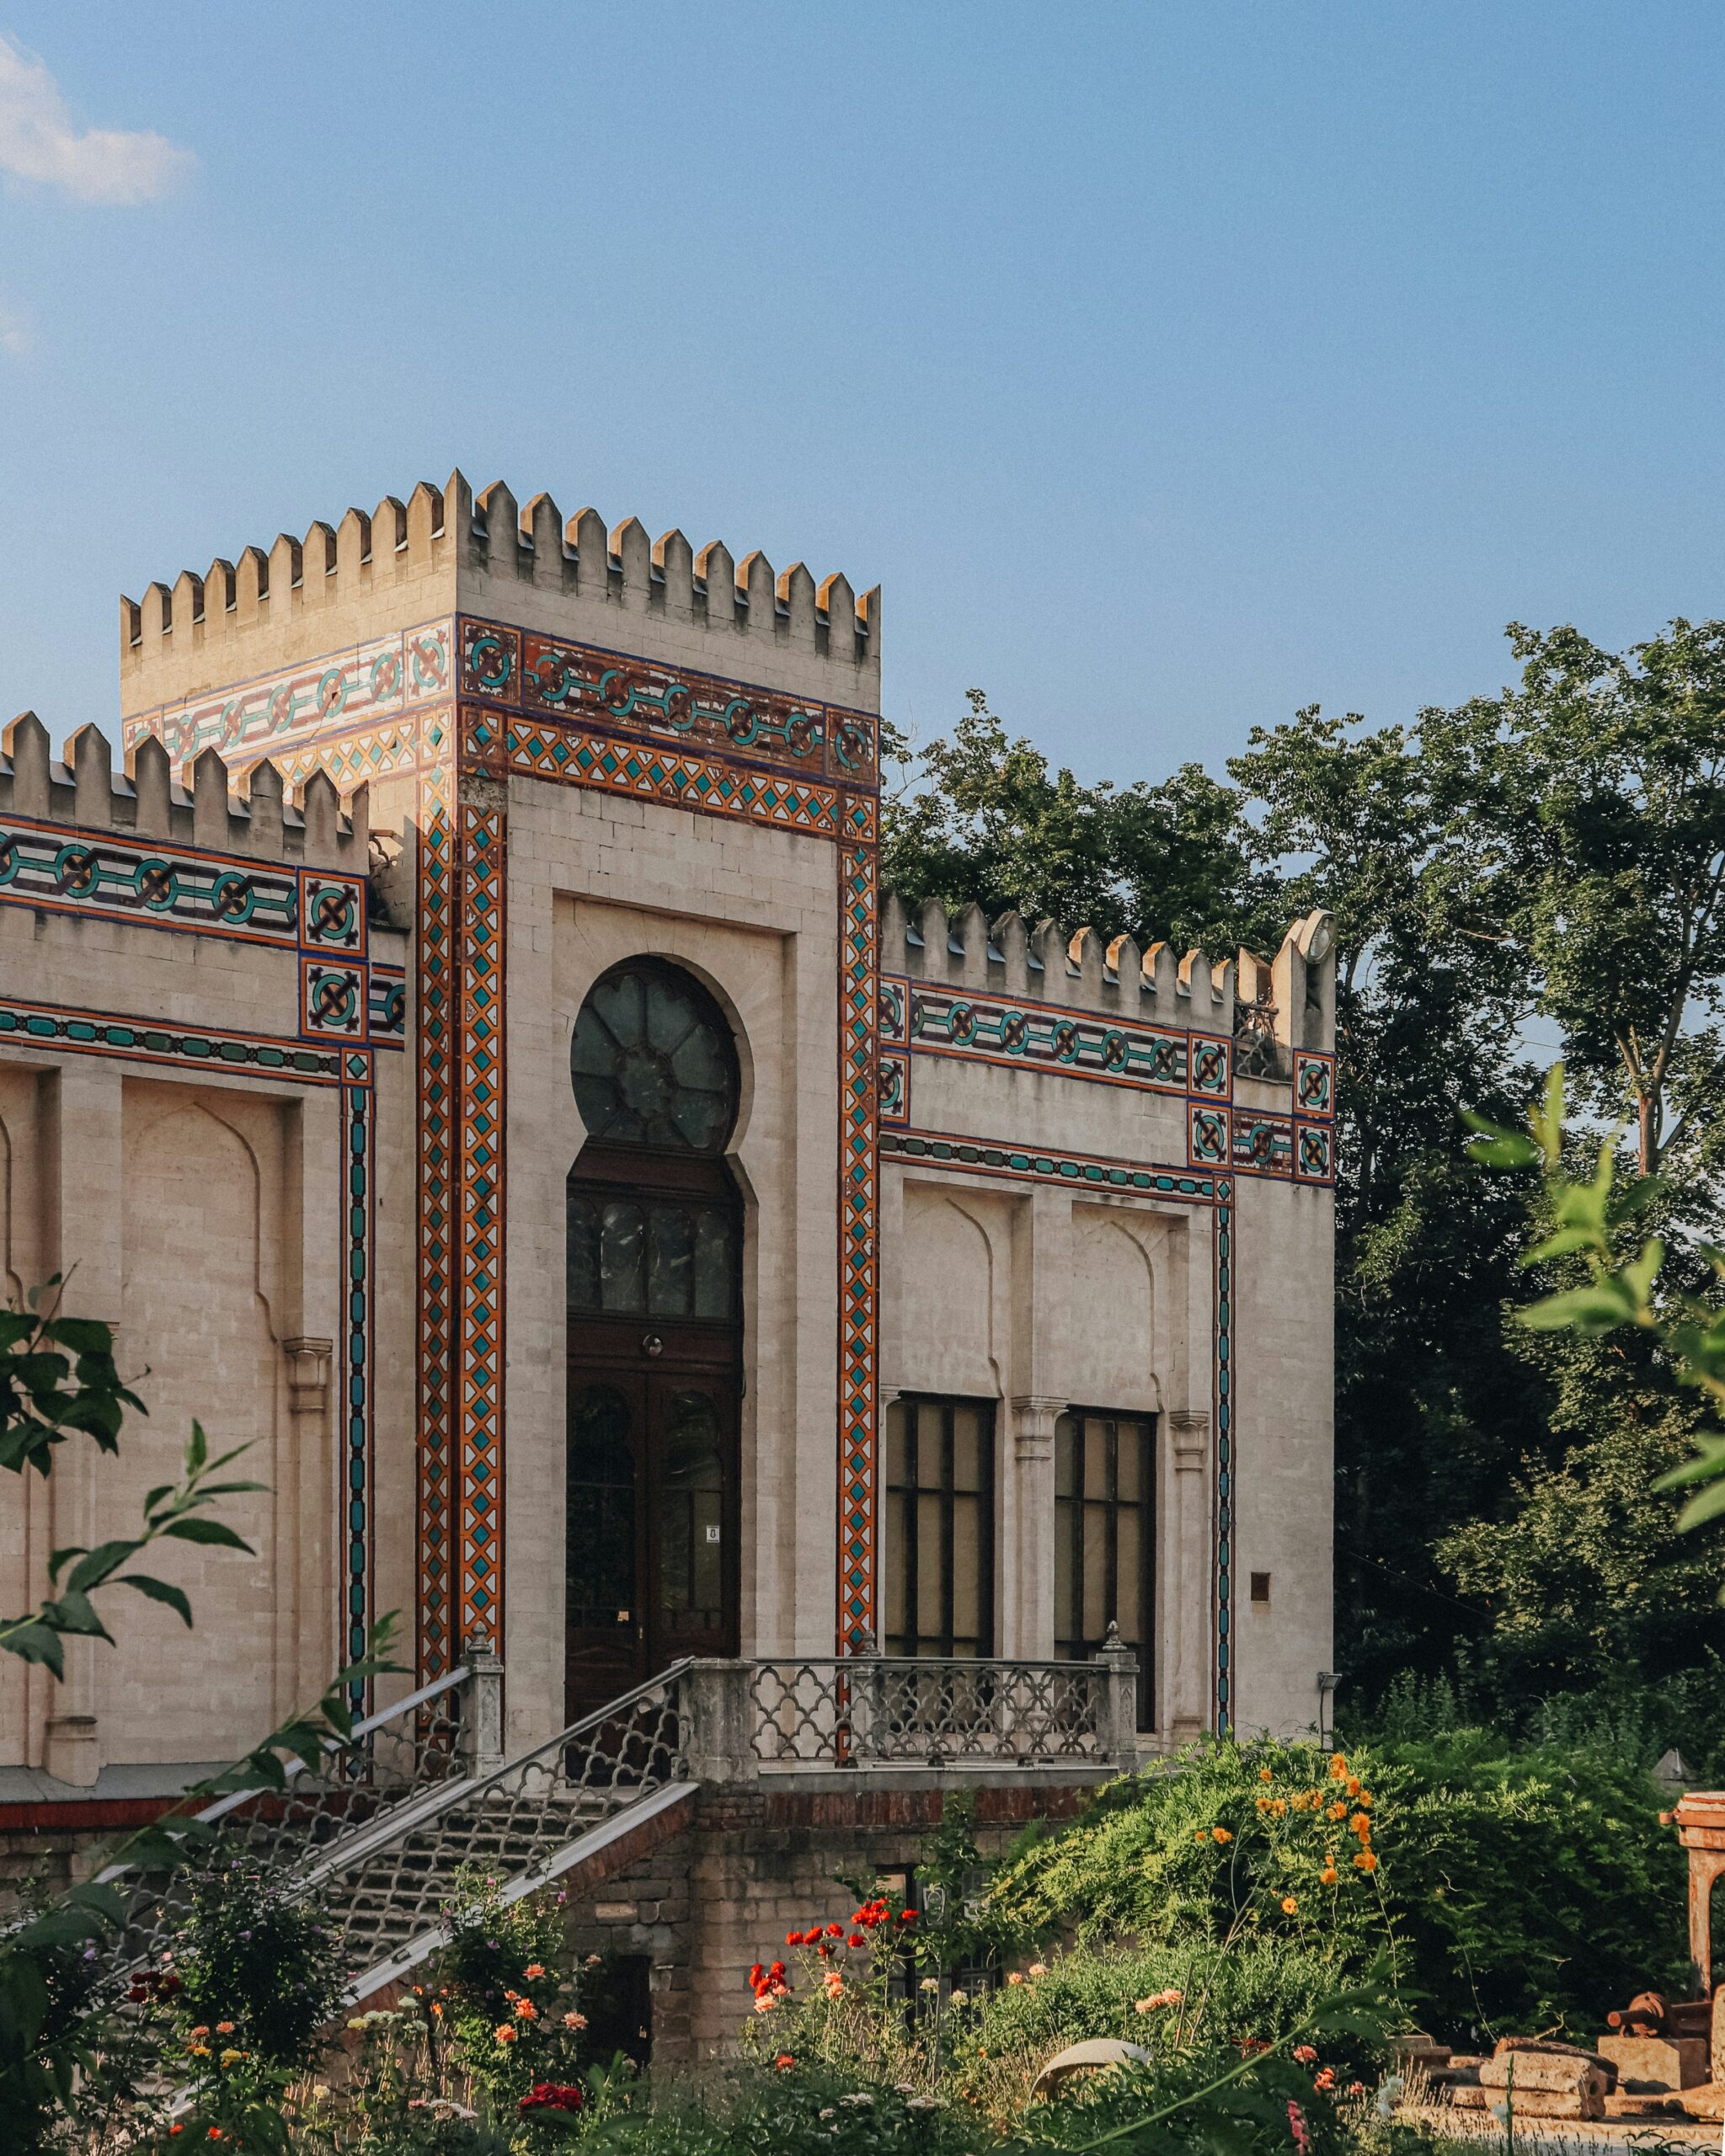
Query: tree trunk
{"points": [[1647, 1117]]}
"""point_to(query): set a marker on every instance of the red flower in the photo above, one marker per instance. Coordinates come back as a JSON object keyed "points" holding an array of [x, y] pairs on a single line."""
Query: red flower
{"points": [[907, 1915], [835, 1931], [553, 2096], [784, 2060], [793, 1938], [857, 1938], [756, 1973]]}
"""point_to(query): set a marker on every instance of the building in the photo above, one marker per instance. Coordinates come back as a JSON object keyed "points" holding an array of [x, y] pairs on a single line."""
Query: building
{"points": [[468, 1053]]}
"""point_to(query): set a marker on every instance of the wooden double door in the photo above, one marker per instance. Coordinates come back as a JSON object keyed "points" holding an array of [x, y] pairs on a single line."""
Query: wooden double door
{"points": [[655, 1385]]}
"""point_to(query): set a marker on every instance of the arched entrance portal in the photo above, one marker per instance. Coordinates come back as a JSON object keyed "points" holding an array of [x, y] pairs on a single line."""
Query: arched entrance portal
{"points": [[655, 1334]]}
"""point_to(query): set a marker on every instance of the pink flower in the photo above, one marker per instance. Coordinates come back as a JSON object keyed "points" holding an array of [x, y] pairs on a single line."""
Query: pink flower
{"points": [[1296, 2126]]}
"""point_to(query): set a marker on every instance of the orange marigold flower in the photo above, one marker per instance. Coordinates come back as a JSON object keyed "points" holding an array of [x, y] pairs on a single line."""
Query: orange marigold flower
{"points": [[1361, 1825], [505, 2032], [1326, 2081], [1337, 1812], [1220, 1834], [532, 1970], [1279, 1806], [1263, 1804], [1289, 1905], [1329, 1874], [1365, 1861], [1354, 1785], [1200, 1836], [525, 2010], [1264, 1774], [784, 2060]]}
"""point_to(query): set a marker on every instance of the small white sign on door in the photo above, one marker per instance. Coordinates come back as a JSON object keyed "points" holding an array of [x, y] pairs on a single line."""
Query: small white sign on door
{"points": [[712, 1534]]}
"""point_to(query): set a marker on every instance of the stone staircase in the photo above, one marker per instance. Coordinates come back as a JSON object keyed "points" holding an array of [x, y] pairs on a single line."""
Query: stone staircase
{"points": [[383, 1834]]}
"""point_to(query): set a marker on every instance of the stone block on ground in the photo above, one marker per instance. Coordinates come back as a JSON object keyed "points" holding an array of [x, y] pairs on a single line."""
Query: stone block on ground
{"points": [[1662, 2062], [1546, 2071], [1586, 2102]]}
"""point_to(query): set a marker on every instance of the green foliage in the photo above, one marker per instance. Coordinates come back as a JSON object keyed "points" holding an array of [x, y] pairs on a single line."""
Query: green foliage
{"points": [[505, 1990], [981, 818], [250, 1955], [57, 1379], [1519, 1886]]}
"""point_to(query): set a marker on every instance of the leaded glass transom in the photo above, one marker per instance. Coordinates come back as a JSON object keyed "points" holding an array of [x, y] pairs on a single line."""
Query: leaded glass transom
{"points": [[653, 1063]]}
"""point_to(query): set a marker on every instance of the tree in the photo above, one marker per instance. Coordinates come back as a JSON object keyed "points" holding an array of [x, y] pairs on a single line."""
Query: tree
{"points": [[1582, 835], [980, 818]]}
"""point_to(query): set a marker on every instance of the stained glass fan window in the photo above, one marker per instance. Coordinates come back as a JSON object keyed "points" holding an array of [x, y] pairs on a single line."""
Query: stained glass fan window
{"points": [[653, 1064]]}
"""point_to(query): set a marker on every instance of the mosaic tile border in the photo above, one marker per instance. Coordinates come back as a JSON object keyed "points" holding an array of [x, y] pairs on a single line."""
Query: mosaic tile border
{"points": [[185, 1048], [436, 1046], [1314, 1084], [51, 868], [859, 1208], [1028, 1164], [359, 1461], [1226, 1475], [624, 696], [480, 1257], [385, 675], [710, 785], [1017, 1034]]}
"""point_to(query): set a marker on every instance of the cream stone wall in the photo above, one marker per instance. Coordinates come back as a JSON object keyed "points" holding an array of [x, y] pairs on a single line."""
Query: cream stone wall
{"points": [[200, 1212], [753, 914], [1038, 1297]]}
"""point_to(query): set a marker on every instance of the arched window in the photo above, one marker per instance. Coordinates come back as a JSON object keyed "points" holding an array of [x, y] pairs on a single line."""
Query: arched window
{"points": [[655, 1307], [652, 1062]]}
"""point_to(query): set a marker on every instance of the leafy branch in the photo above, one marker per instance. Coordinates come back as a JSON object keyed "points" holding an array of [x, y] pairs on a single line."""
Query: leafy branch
{"points": [[173, 1512], [57, 1379], [1619, 1289]]}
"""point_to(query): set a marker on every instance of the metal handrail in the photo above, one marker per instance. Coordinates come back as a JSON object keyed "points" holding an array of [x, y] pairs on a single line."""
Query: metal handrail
{"points": [[332, 1745]]}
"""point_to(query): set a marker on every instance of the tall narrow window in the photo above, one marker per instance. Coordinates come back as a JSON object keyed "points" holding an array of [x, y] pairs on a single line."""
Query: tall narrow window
{"points": [[939, 1527], [1104, 1538]]}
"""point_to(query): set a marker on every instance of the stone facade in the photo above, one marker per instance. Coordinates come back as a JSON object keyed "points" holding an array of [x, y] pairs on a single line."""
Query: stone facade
{"points": [[287, 1008]]}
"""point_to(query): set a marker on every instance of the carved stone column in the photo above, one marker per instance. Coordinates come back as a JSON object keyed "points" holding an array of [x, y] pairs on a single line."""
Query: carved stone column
{"points": [[1030, 1603], [1187, 1716]]}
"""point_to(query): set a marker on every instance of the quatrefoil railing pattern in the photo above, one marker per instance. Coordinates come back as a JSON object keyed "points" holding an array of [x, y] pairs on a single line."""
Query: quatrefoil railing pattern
{"points": [[878, 1711]]}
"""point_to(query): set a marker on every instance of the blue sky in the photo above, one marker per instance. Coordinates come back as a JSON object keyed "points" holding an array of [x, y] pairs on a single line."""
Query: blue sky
{"points": [[1170, 366]]}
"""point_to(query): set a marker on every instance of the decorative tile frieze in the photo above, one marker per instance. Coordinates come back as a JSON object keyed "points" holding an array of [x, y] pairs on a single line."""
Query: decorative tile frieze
{"points": [[187, 1048], [1208, 1143], [1040, 1035], [1314, 1084], [859, 1257], [359, 1122], [385, 676], [481, 870], [1225, 1495], [52, 869], [574, 758], [1262, 1145], [1025, 1164], [621, 697], [1314, 1152], [435, 1041], [386, 1017]]}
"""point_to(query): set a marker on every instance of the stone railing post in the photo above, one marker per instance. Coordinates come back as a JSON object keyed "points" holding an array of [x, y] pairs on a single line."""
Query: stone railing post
{"points": [[717, 1730], [1117, 1673], [479, 1741]]}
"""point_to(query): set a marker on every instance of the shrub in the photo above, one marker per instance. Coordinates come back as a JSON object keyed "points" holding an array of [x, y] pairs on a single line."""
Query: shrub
{"points": [[1515, 1886], [250, 1956]]}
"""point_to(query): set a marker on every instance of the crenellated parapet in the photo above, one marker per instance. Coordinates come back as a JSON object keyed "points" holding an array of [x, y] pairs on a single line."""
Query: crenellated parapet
{"points": [[251, 813], [446, 550], [1271, 1007]]}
